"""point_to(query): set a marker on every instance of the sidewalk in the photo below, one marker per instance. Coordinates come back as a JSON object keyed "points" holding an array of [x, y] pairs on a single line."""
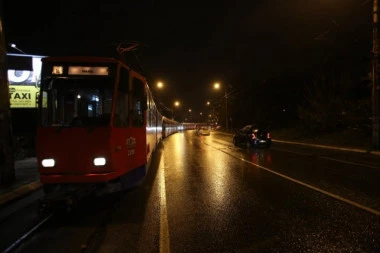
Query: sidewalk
{"points": [[27, 181], [27, 177]]}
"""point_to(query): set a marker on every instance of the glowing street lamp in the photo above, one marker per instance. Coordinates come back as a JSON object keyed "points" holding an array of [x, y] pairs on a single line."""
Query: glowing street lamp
{"points": [[217, 87], [176, 104], [12, 45]]}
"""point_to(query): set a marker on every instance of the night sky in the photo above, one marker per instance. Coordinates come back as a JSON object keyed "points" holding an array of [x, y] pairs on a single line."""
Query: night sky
{"points": [[262, 50]]}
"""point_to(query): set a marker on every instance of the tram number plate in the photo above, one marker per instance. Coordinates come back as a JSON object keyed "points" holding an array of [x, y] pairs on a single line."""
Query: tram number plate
{"points": [[131, 152]]}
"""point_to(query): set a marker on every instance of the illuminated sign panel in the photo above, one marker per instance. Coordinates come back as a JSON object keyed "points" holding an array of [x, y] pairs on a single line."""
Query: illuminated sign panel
{"points": [[26, 77], [24, 85], [88, 71], [57, 70], [23, 96]]}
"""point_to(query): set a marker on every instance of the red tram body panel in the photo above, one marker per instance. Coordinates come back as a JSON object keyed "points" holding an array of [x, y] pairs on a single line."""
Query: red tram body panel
{"points": [[98, 123], [75, 150]]}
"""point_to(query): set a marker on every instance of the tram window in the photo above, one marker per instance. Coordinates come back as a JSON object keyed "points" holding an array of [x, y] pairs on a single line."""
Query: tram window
{"points": [[139, 102], [68, 100]]}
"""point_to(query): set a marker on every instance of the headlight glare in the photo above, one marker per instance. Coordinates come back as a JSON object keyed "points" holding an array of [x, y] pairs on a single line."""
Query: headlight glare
{"points": [[99, 161], [50, 162]]}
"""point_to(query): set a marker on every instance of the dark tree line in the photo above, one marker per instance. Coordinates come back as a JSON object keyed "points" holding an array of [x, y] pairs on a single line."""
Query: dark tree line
{"points": [[334, 101]]}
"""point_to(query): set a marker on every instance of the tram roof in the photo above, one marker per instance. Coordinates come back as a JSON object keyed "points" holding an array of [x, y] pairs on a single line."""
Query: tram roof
{"points": [[82, 59]]}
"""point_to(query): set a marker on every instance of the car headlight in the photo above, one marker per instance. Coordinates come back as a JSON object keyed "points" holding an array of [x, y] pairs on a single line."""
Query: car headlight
{"points": [[100, 161], [50, 162]]}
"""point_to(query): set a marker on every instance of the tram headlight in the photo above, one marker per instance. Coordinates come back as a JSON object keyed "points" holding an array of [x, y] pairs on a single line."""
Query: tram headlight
{"points": [[99, 161], [50, 162]]}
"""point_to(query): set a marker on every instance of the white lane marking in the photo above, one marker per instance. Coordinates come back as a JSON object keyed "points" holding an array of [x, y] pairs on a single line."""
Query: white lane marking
{"points": [[332, 159], [335, 196], [348, 162], [323, 146], [164, 227]]}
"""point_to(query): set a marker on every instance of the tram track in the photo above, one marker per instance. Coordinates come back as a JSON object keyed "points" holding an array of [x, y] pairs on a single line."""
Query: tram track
{"points": [[83, 226], [26, 235]]}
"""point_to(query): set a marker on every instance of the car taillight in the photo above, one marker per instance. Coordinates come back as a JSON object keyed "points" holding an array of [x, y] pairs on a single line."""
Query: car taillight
{"points": [[253, 136], [268, 135]]}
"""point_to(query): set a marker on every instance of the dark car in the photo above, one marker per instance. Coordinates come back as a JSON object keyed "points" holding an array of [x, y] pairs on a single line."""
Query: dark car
{"points": [[252, 136]]}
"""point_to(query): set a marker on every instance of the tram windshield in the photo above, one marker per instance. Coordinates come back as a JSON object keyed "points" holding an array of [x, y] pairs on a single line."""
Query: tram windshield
{"points": [[76, 102]]}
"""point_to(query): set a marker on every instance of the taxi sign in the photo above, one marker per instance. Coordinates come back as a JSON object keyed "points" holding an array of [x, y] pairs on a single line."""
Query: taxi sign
{"points": [[23, 96]]}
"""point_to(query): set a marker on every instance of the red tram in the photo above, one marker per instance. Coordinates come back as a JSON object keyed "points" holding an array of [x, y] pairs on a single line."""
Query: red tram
{"points": [[98, 125]]}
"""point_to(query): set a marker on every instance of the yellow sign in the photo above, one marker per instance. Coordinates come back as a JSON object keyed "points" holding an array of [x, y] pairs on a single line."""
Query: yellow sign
{"points": [[23, 96]]}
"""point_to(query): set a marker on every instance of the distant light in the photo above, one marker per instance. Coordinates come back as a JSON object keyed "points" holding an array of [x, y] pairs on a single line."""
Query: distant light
{"points": [[78, 96]]}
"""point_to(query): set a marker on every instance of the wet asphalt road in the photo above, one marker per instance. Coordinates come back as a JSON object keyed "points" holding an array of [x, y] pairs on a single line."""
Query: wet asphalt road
{"points": [[203, 194]]}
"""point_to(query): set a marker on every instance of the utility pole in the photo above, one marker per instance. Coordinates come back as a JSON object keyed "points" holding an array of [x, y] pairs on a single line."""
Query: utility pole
{"points": [[226, 104], [7, 167], [375, 78]]}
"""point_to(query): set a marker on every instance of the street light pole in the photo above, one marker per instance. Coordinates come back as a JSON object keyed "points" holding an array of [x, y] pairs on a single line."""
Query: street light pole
{"points": [[217, 86], [375, 78], [226, 104]]}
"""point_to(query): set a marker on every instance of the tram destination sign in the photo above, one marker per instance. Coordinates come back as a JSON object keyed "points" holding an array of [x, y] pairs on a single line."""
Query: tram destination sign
{"points": [[84, 70]]}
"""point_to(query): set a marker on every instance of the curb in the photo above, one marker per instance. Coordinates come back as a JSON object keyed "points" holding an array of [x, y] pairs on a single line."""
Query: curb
{"points": [[357, 150], [19, 192], [374, 152]]}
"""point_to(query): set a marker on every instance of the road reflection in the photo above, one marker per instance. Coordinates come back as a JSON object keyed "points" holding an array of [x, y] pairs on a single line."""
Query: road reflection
{"points": [[217, 176], [260, 157]]}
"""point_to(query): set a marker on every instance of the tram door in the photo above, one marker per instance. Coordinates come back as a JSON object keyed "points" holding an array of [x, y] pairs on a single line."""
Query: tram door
{"points": [[138, 103], [138, 119]]}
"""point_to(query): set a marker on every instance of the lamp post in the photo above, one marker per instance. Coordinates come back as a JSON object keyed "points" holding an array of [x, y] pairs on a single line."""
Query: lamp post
{"points": [[217, 86], [375, 78], [12, 45]]}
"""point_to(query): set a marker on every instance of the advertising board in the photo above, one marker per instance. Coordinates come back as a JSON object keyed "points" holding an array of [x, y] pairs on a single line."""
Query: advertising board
{"points": [[24, 83]]}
